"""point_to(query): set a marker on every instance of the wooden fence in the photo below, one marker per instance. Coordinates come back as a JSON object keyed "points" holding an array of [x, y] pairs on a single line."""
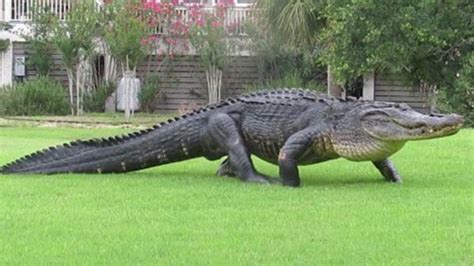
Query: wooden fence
{"points": [[182, 80], [392, 88]]}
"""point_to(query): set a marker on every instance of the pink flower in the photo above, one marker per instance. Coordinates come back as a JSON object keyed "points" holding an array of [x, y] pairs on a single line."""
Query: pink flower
{"points": [[200, 22], [215, 24], [226, 2]]}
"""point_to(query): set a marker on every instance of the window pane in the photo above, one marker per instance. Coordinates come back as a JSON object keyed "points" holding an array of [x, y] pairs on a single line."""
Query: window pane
{"points": [[245, 1]]}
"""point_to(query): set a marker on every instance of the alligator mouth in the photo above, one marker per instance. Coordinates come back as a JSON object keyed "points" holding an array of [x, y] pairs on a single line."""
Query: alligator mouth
{"points": [[408, 124], [433, 126]]}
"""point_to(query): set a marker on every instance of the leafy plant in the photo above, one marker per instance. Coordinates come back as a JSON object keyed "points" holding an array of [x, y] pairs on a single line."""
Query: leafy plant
{"points": [[149, 92], [124, 33], [74, 38], [460, 99], [39, 39], [4, 44], [280, 61], [212, 39], [94, 101], [41, 96]]}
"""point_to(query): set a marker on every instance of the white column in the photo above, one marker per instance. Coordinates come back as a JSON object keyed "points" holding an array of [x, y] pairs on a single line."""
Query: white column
{"points": [[368, 92], [8, 10], [6, 65], [2, 10]]}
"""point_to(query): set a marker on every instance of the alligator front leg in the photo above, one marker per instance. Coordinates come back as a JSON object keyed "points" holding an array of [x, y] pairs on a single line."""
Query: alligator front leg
{"points": [[290, 153], [388, 170], [226, 134]]}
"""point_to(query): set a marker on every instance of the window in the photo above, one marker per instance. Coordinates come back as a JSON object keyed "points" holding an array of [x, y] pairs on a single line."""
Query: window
{"points": [[236, 2], [192, 1], [244, 2]]}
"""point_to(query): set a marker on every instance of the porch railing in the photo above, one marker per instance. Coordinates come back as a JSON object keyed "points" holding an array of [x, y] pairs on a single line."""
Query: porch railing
{"points": [[23, 11], [235, 18]]}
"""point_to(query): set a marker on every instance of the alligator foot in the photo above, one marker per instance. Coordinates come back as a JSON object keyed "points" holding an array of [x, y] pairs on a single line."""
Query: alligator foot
{"points": [[225, 169], [387, 169], [226, 134]]}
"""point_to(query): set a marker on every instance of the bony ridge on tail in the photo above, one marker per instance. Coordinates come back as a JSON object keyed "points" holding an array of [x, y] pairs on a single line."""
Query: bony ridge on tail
{"points": [[287, 127]]}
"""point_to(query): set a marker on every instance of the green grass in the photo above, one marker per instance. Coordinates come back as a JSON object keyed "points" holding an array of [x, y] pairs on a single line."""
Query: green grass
{"points": [[182, 214]]}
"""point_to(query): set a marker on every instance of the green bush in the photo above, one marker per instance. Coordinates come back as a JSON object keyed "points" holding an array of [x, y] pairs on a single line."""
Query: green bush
{"points": [[41, 96], [459, 98], [148, 92], [94, 101]]}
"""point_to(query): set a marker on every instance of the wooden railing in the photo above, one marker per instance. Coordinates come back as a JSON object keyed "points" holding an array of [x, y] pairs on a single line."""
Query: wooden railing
{"points": [[23, 10], [236, 17]]}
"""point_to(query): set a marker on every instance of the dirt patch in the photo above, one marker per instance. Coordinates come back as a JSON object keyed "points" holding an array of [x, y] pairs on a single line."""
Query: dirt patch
{"points": [[62, 122]]}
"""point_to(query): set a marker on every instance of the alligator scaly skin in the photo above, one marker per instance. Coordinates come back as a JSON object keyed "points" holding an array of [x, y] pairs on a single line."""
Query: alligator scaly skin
{"points": [[288, 127]]}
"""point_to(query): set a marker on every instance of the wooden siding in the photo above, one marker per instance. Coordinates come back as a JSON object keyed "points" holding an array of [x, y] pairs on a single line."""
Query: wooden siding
{"points": [[392, 88], [183, 80], [58, 71]]}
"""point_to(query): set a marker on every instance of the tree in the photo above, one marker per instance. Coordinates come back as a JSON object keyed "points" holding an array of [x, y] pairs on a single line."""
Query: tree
{"points": [[425, 40], [213, 41], [429, 43], [211, 36], [39, 39], [299, 22], [124, 33], [74, 39]]}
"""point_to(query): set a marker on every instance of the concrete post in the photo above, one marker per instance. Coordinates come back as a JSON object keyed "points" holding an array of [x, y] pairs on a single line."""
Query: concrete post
{"points": [[368, 92]]}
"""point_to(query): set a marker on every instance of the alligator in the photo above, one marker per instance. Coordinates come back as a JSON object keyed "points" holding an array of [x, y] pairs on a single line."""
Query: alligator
{"points": [[287, 127]]}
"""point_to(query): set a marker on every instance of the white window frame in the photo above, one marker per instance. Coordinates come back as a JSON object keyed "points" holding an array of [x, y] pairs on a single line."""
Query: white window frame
{"points": [[212, 3], [185, 3], [237, 4]]}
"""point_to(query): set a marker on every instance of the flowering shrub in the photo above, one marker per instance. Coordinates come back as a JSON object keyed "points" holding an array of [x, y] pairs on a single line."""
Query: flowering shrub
{"points": [[207, 30], [179, 26]]}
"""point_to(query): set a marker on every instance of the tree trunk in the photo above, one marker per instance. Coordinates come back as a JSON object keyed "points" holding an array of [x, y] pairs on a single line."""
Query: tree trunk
{"points": [[70, 77], [127, 98], [333, 88], [78, 91], [214, 83]]}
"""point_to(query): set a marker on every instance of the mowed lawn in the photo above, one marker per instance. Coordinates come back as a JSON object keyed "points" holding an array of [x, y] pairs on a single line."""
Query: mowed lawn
{"points": [[344, 213]]}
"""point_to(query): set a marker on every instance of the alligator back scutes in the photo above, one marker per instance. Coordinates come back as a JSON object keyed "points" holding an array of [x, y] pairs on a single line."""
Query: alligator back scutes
{"points": [[284, 97]]}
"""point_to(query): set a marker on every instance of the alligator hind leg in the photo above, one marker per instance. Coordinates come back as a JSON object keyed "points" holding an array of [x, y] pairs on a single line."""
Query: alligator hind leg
{"points": [[226, 134], [387, 169]]}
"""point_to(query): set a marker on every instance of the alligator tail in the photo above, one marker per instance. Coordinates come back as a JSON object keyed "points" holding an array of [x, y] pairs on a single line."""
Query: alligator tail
{"points": [[172, 141]]}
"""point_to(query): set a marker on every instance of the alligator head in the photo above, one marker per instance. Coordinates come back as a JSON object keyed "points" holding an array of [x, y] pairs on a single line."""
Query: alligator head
{"points": [[399, 122], [380, 129]]}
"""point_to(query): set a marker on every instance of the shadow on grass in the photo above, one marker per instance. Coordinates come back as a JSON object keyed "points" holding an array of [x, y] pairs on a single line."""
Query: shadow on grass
{"points": [[305, 181], [185, 176], [340, 182]]}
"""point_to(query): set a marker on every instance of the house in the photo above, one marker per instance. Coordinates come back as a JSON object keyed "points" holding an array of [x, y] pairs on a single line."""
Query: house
{"points": [[186, 86]]}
